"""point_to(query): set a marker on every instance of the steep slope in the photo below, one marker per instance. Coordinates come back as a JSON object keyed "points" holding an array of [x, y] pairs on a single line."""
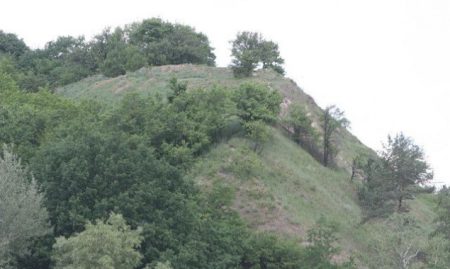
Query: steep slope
{"points": [[154, 81], [283, 189]]}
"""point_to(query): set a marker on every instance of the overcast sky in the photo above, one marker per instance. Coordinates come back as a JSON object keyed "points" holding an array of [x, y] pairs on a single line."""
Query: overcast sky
{"points": [[385, 62]]}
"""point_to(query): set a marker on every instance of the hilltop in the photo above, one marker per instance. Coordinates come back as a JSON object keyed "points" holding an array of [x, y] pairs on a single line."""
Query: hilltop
{"points": [[284, 189]]}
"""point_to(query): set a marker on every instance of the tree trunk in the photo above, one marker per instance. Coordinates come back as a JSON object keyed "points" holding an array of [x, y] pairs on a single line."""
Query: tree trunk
{"points": [[400, 199]]}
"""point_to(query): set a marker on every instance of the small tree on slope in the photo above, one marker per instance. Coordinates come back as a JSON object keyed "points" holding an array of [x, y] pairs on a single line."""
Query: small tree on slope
{"points": [[22, 215]]}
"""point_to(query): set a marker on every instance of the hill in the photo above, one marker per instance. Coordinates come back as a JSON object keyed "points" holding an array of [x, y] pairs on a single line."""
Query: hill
{"points": [[284, 189]]}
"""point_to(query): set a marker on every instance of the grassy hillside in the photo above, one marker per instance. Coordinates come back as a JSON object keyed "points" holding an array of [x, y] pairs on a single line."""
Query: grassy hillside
{"points": [[283, 189], [154, 81]]}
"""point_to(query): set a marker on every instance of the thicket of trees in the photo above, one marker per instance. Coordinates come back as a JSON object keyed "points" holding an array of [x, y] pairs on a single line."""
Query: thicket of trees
{"points": [[89, 160], [112, 53]]}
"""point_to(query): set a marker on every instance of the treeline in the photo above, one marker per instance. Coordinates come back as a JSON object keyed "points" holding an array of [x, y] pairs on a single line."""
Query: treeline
{"points": [[110, 182], [112, 53]]}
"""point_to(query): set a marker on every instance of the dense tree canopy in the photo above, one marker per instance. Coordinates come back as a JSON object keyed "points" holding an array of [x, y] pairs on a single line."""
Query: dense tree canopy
{"points": [[10, 44], [112, 53]]}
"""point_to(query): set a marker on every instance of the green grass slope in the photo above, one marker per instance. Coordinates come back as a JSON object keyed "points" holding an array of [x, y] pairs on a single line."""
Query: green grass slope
{"points": [[154, 81], [284, 189]]}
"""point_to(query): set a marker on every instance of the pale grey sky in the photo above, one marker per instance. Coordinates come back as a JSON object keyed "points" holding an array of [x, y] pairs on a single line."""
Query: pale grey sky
{"points": [[385, 62]]}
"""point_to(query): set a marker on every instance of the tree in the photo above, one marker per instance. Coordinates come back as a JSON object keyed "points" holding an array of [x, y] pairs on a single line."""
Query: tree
{"points": [[259, 133], [177, 88], [103, 245], [249, 50], [257, 102], [12, 45], [22, 215], [164, 43], [270, 56], [375, 195], [245, 53], [406, 166], [393, 177], [302, 130], [332, 119]]}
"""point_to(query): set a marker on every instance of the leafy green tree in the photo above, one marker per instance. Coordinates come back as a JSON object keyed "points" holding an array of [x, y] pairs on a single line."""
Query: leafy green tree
{"points": [[245, 53], [267, 251], [406, 166], [10, 44], [376, 193], [331, 120], [322, 239], [111, 52], [303, 133], [7, 84], [164, 43], [115, 63], [270, 56], [103, 245], [249, 50], [258, 133], [23, 215], [393, 178], [257, 102], [177, 88], [26, 117]]}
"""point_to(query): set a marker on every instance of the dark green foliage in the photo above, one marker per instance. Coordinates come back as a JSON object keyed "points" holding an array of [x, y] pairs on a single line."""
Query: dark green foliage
{"points": [[113, 53], [405, 162], [258, 133], [26, 118], [270, 56], [165, 43], [303, 133], [266, 251], [393, 178], [249, 50], [10, 44], [91, 160], [177, 88], [376, 193], [246, 53], [257, 102], [331, 120]]}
